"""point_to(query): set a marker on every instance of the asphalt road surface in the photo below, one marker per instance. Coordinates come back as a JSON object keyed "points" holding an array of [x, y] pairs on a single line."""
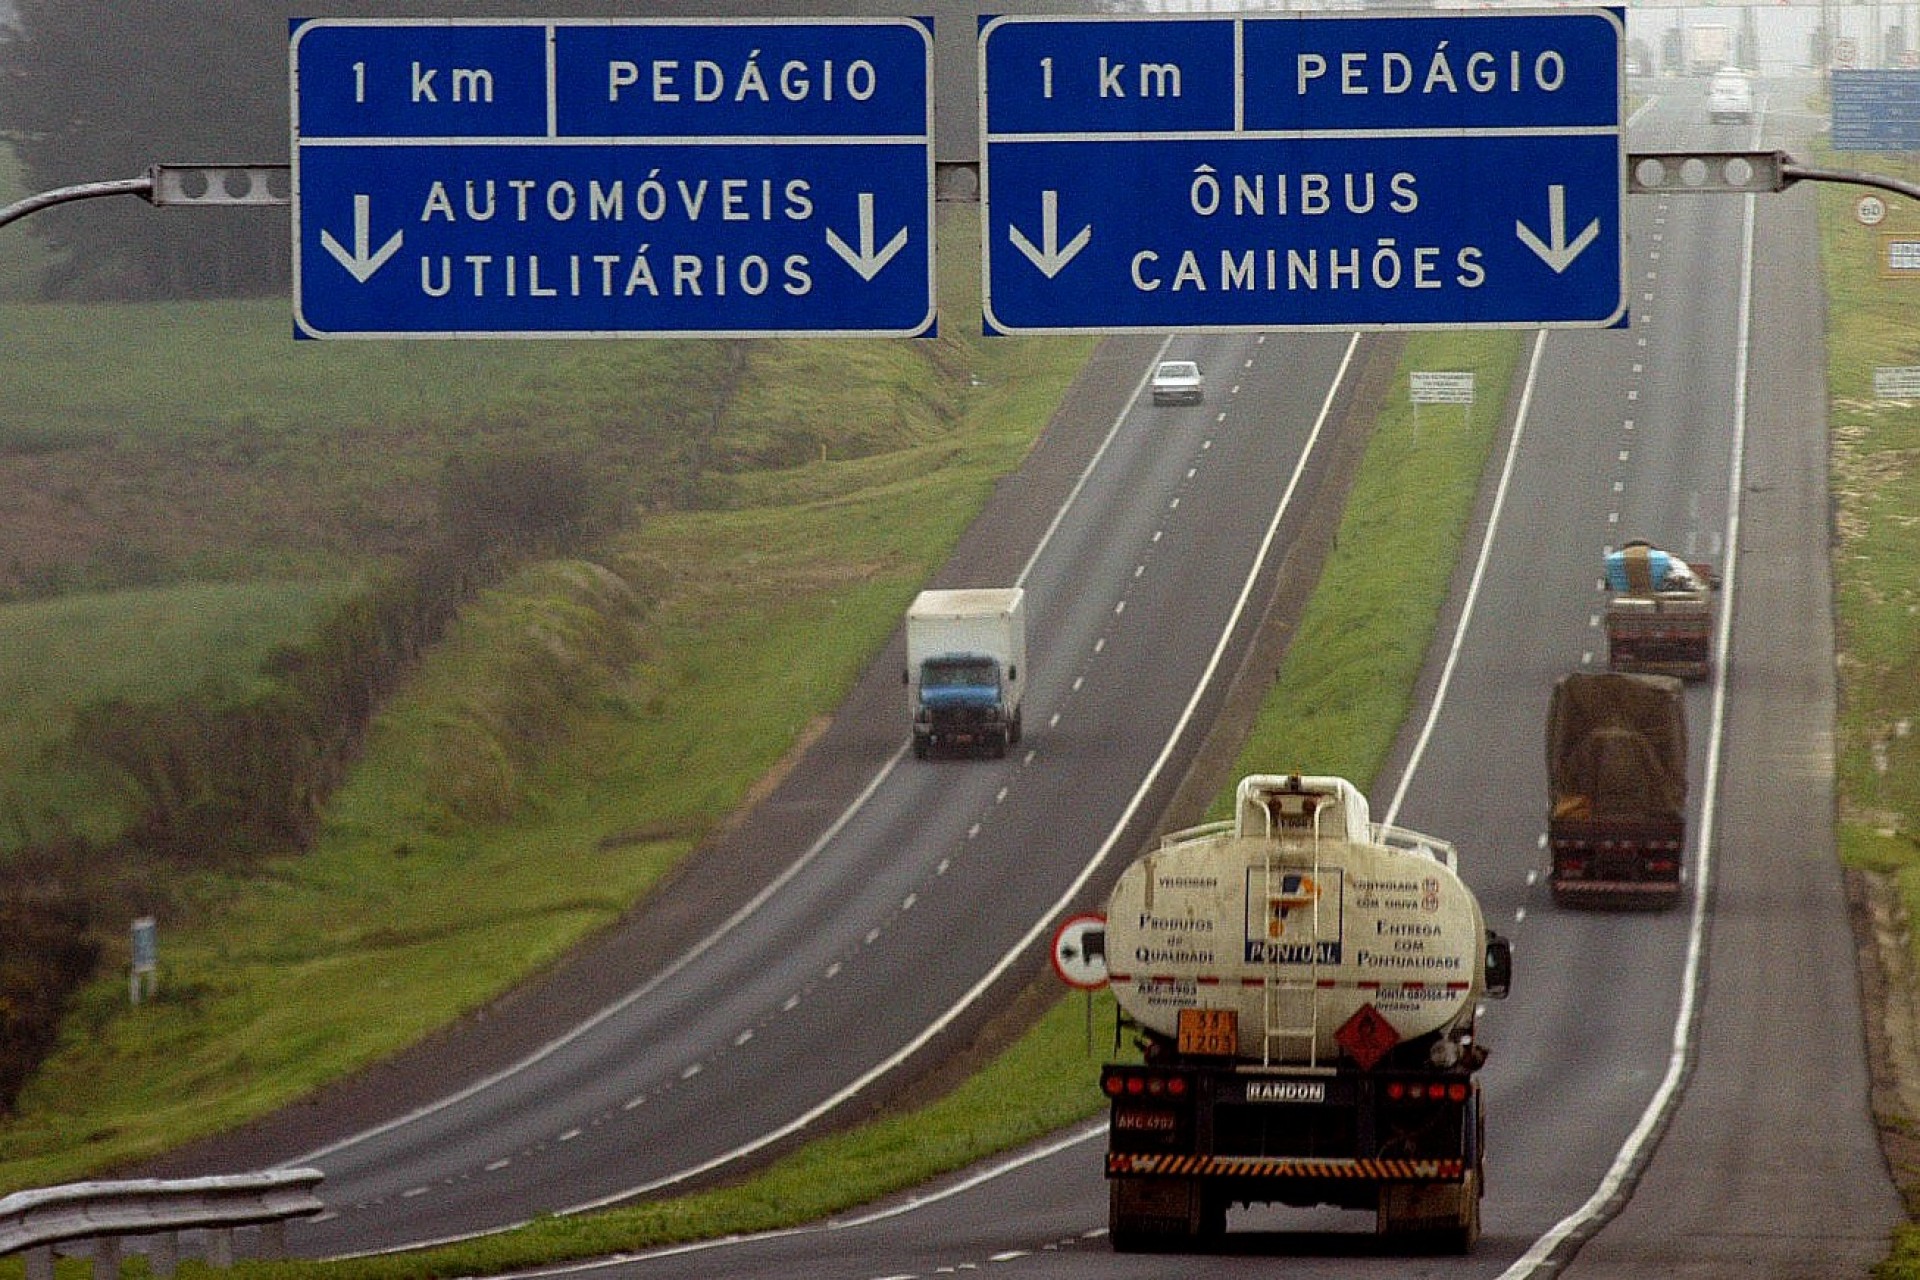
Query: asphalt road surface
{"points": [[1675, 1093], [900, 903], [1670, 1093]]}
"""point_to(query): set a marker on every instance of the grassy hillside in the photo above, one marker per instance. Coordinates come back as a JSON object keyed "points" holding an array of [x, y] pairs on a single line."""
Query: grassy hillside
{"points": [[782, 501]]}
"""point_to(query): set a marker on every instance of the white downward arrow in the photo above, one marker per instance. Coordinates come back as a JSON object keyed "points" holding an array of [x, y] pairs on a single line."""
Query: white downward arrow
{"points": [[1050, 257], [1555, 251], [360, 264], [866, 261]]}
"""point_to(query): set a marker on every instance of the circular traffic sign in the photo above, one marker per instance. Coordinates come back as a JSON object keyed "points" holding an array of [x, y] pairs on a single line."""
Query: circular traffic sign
{"points": [[1080, 951], [1870, 210]]}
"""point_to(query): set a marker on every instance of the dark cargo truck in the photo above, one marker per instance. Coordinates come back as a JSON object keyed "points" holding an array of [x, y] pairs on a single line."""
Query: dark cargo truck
{"points": [[1617, 777], [1659, 613]]}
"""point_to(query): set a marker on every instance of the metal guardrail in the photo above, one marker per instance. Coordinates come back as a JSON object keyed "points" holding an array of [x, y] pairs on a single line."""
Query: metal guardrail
{"points": [[103, 1213]]}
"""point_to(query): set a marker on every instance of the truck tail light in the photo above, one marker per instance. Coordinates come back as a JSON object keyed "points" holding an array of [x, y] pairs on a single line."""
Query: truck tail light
{"points": [[1143, 1084], [1425, 1091]]}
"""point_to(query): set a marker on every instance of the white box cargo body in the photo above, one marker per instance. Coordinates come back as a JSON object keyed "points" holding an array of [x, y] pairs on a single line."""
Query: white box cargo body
{"points": [[962, 631]]}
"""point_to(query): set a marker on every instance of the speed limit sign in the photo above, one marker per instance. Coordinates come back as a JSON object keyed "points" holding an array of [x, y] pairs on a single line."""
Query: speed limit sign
{"points": [[1871, 210]]}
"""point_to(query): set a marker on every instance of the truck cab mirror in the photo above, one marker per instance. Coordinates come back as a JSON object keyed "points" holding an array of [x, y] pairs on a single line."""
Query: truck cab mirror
{"points": [[906, 676], [1013, 671], [1499, 966]]}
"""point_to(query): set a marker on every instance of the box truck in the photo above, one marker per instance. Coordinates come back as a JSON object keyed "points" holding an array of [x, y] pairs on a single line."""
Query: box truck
{"points": [[966, 669]]}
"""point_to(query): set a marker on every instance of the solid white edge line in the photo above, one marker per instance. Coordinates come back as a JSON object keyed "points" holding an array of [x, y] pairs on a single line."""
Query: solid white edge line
{"points": [[759, 899], [1600, 1204], [1006, 961], [1052, 913], [1479, 574], [1072, 1138], [647, 988], [1486, 553]]}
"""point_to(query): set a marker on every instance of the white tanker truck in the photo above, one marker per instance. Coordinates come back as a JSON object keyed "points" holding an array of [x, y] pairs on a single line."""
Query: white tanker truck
{"points": [[1304, 984]]}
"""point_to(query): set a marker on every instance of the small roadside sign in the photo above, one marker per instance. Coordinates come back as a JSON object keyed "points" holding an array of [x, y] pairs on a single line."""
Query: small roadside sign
{"points": [[1900, 255], [1080, 951], [1896, 382], [1440, 388], [144, 979]]}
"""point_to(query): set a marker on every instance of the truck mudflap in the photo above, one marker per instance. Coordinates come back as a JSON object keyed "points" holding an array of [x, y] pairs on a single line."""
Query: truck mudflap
{"points": [[1122, 1164], [1175, 1202]]}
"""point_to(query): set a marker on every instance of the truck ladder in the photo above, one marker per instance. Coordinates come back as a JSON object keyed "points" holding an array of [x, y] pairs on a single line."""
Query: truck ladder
{"points": [[1292, 816]]}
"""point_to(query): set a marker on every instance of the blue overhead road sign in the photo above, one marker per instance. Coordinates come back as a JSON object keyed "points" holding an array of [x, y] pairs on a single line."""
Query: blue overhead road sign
{"points": [[612, 178], [1444, 170]]}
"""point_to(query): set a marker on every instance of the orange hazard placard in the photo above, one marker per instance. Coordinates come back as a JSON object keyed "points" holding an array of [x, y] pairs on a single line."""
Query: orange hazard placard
{"points": [[1367, 1036], [1211, 1032]]}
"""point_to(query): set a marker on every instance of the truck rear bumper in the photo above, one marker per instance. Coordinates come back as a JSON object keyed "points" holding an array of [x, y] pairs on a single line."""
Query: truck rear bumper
{"points": [[1261, 1168], [1616, 893], [1688, 666]]}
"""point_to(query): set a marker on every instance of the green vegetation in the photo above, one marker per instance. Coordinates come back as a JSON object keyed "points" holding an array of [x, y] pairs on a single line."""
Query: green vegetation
{"points": [[476, 786], [1349, 674], [153, 643], [1353, 664], [531, 743], [1876, 484], [1049, 1070]]}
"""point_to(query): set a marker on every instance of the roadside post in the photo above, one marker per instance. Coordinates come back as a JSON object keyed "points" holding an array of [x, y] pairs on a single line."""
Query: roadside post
{"points": [[1080, 958], [143, 979], [1440, 388]]}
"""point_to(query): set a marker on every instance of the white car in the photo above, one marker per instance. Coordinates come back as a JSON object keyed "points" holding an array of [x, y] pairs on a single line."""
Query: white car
{"points": [[1177, 382], [1730, 97]]}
